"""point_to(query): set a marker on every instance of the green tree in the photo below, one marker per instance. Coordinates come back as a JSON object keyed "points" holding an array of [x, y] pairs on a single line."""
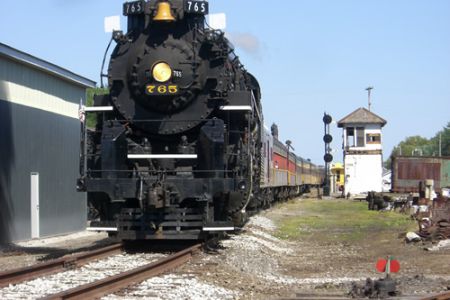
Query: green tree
{"points": [[413, 145], [444, 137], [420, 146], [91, 118]]}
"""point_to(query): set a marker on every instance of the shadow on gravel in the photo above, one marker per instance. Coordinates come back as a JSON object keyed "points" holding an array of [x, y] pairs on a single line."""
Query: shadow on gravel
{"points": [[129, 246], [51, 252], [157, 246]]}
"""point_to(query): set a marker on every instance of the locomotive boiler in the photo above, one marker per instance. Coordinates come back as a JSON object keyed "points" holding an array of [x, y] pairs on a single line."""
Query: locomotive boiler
{"points": [[176, 150]]}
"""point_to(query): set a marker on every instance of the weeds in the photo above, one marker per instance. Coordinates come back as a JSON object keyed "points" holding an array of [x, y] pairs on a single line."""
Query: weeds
{"points": [[342, 220]]}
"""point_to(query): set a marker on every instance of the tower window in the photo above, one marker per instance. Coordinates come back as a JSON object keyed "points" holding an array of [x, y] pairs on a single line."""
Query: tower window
{"points": [[350, 136], [373, 138], [360, 137]]}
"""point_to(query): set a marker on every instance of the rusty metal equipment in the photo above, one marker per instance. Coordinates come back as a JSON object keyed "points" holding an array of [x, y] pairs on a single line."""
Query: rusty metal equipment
{"points": [[377, 201], [381, 288], [437, 225]]}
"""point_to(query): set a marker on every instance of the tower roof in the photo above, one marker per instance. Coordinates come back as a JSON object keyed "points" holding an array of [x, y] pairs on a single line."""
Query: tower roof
{"points": [[362, 116]]}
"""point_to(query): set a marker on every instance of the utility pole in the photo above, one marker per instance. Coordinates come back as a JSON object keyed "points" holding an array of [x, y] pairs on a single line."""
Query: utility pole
{"points": [[440, 144], [369, 89]]}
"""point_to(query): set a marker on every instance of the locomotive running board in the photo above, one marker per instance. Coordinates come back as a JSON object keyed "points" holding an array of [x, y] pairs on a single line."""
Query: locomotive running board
{"points": [[101, 228], [98, 108], [218, 228], [236, 107], [211, 229], [162, 156]]}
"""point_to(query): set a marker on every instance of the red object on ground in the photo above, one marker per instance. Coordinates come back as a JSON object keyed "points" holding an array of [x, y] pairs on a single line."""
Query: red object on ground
{"points": [[394, 265]]}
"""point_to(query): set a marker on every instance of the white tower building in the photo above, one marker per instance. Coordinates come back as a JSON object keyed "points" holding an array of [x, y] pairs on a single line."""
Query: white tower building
{"points": [[363, 153]]}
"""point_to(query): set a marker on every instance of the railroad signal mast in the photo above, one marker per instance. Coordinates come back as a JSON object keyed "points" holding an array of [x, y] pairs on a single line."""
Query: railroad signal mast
{"points": [[328, 158]]}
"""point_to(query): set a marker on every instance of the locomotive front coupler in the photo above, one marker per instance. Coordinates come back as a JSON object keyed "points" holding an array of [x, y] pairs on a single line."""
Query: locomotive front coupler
{"points": [[156, 196]]}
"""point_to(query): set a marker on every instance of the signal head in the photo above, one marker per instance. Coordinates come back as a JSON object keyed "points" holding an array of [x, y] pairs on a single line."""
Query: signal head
{"points": [[327, 119], [328, 158]]}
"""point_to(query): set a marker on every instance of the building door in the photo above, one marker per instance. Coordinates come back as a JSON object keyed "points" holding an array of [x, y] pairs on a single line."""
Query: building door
{"points": [[34, 205]]}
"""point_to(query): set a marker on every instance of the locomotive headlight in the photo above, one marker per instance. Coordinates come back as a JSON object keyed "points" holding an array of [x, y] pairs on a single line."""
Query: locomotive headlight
{"points": [[242, 185], [162, 72]]}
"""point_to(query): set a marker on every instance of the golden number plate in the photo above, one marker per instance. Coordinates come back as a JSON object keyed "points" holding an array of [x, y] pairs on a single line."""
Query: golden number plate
{"points": [[161, 89]]}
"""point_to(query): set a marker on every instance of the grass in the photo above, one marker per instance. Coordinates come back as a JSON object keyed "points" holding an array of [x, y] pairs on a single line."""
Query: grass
{"points": [[342, 220]]}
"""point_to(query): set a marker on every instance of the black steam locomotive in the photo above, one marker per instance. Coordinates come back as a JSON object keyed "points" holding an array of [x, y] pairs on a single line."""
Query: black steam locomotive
{"points": [[179, 150], [176, 149]]}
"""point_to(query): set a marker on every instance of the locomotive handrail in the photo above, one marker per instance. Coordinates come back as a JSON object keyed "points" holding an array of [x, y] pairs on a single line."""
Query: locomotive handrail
{"points": [[161, 171], [158, 120], [99, 154], [102, 75]]}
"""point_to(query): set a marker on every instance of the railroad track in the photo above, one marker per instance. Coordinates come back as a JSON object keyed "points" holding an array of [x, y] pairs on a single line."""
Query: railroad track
{"points": [[441, 296], [57, 265], [115, 283], [120, 281], [98, 288]]}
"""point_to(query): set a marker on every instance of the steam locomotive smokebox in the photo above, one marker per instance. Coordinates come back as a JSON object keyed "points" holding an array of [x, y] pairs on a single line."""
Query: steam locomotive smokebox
{"points": [[210, 148]]}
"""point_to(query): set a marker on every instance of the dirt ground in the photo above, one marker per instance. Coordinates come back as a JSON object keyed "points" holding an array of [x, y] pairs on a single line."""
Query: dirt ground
{"points": [[261, 264]]}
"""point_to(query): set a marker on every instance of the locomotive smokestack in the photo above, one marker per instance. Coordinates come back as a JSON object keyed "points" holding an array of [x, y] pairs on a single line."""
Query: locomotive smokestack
{"points": [[274, 130]]}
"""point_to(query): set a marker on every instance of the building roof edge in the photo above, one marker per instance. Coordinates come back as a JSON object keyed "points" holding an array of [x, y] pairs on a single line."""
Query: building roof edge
{"points": [[48, 67]]}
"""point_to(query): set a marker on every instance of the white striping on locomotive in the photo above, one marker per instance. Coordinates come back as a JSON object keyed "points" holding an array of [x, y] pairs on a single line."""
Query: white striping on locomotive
{"points": [[236, 107], [162, 156]]}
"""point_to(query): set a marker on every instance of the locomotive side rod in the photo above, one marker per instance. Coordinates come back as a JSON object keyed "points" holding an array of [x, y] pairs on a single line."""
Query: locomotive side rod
{"points": [[117, 282], [56, 265]]}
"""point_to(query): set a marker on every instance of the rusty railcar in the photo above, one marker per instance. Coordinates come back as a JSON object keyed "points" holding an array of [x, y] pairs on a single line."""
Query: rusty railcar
{"points": [[408, 172]]}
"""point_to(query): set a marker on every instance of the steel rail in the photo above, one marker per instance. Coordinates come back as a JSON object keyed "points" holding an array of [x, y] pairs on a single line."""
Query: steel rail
{"points": [[442, 296], [56, 265], [313, 296], [117, 282], [301, 296]]}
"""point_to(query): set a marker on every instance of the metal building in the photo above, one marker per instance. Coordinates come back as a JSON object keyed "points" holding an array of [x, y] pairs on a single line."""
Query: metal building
{"points": [[39, 147]]}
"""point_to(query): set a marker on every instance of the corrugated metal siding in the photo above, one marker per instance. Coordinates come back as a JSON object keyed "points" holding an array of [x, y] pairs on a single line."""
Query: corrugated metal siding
{"points": [[35, 140], [7, 158], [34, 89], [407, 172], [445, 173], [418, 170]]}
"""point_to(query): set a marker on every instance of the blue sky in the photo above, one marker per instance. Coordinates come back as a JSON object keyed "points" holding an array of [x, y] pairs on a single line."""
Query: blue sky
{"points": [[309, 56]]}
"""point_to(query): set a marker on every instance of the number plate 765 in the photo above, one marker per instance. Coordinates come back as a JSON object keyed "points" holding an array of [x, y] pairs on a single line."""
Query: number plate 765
{"points": [[161, 89]]}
